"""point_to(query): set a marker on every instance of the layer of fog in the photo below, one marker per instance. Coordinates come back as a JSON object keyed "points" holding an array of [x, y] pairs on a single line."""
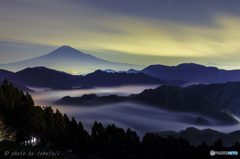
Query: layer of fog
{"points": [[138, 117], [45, 96]]}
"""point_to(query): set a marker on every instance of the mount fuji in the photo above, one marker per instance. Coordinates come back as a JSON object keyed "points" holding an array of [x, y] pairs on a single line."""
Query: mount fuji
{"points": [[69, 60]]}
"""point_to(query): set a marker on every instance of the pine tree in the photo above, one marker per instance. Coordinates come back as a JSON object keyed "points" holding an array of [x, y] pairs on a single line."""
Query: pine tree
{"points": [[218, 144], [132, 143], [98, 139], [83, 139], [60, 129], [50, 123]]}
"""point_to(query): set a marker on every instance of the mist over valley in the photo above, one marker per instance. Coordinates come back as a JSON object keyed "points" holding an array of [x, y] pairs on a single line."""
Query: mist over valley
{"points": [[140, 117]]}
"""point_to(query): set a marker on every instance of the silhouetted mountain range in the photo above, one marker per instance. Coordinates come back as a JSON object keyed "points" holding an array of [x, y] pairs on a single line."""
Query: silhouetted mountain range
{"points": [[129, 71], [109, 70], [69, 60], [193, 73], [44, 77], [5, 74], [220, 101], [91, 99], [133, 71], [197, 137]]}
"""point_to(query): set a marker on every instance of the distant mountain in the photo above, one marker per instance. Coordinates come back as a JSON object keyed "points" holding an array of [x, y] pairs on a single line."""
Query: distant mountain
{"points": [[215, 98], [113, 79], [133, 71], [45, 77], [109, 71], [90, 99], [197, 137], [193, 73], [5, 74], [69, 60], [129, 71], [219, 101]]}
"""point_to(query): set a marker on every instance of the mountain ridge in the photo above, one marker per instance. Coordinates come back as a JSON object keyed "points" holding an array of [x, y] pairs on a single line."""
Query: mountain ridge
{"points": [[45, 77], [196, 137], [193, 73], [220, 101]]}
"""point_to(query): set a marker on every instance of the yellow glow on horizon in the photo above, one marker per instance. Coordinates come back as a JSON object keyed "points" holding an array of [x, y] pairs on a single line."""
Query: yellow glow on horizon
{"points": [[133, 35], [74, 73]]}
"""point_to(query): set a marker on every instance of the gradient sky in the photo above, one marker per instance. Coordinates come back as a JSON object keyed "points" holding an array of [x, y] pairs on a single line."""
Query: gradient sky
{"points": [[145, 32]]}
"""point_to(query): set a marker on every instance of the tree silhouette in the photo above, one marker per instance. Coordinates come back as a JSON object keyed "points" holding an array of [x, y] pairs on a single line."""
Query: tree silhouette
{"points": [[132, 143], [218, 144], [50, 124], [83, 136], [98, 139]]}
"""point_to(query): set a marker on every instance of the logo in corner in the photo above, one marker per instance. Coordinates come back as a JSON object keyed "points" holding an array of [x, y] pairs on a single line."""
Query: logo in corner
{"points": [[212, 153]]}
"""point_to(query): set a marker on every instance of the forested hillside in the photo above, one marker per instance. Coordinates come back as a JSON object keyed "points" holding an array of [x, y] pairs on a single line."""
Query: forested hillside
{"points": [[60, 133]]}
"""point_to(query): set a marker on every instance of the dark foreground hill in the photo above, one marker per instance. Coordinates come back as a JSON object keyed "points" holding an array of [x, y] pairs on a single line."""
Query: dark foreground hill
{"points": [[209, 136], [220, 101]]}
